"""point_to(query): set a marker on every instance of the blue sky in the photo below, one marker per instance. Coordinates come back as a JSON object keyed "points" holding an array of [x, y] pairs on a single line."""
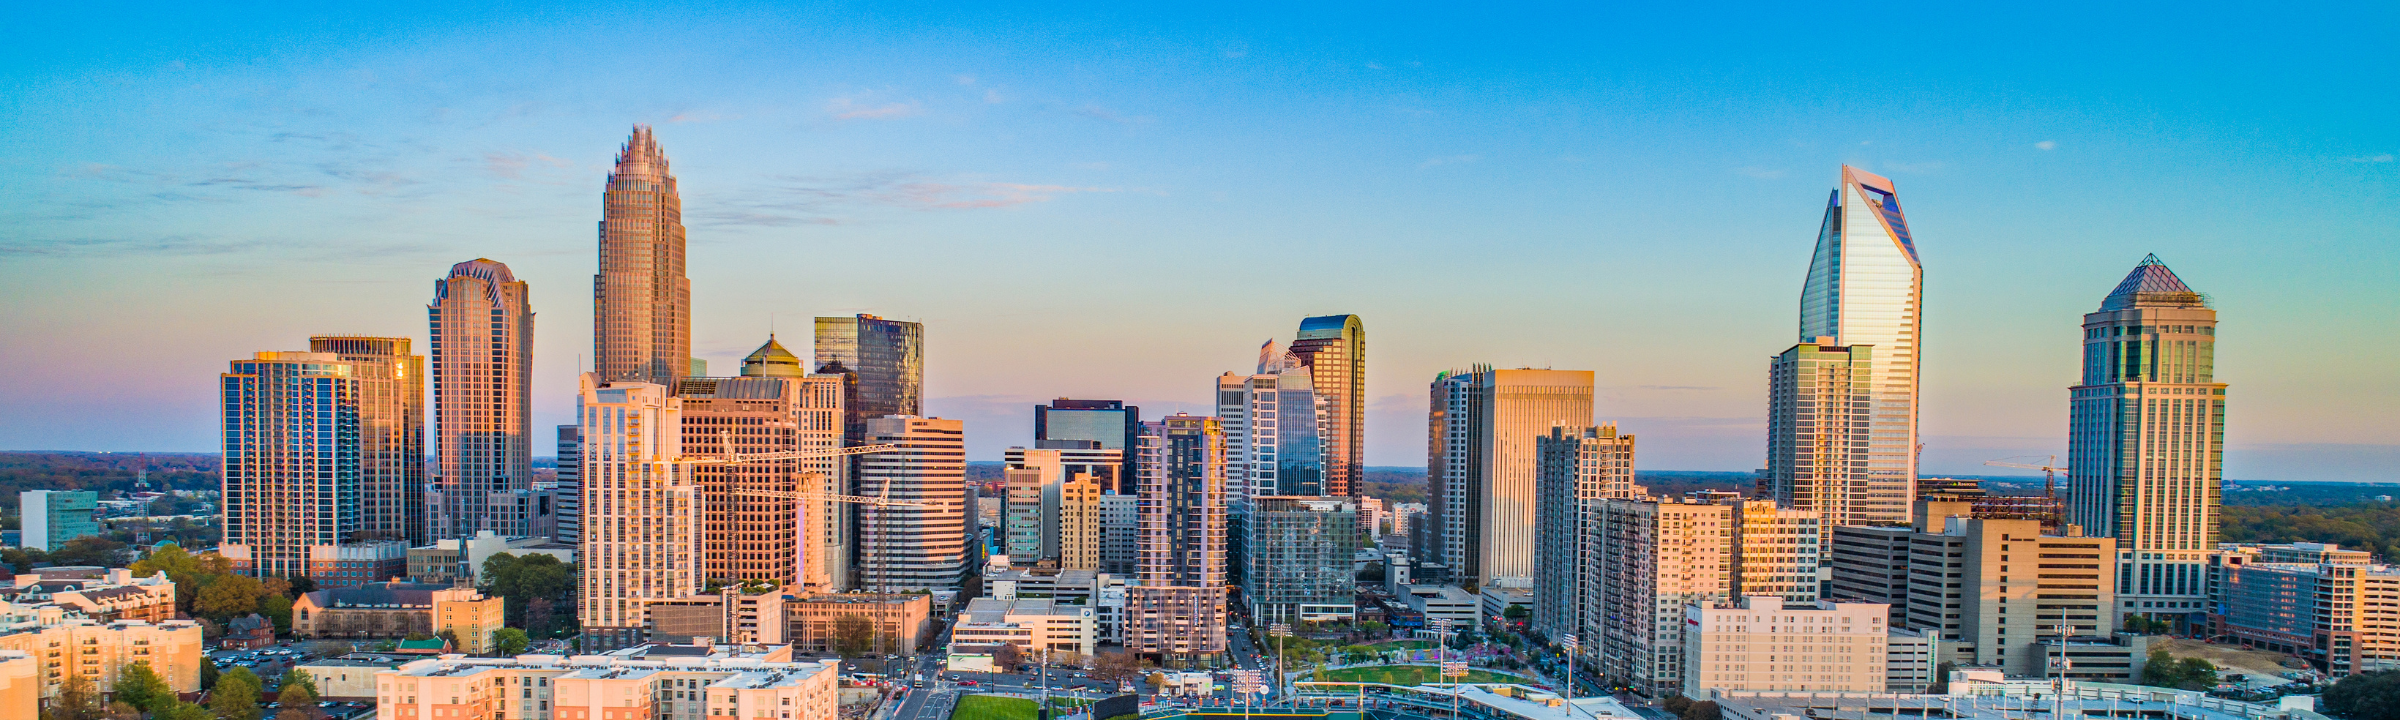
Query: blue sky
{"points": [[1111, 201]]}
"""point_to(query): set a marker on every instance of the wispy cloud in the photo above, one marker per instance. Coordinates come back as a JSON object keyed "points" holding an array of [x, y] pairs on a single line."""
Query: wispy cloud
{"points": [[2047, 145], [825, 200], [2383, 158], [1759, 172], [848, 109], [964, 79], [161, 245], [1372, 65], [1236, 50], [1449, 160]]}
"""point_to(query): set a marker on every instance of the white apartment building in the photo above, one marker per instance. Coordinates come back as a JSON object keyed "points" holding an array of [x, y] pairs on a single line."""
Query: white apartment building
{"points": [[907, 548], [1778, 553], [641, 511], [1761, 643]]}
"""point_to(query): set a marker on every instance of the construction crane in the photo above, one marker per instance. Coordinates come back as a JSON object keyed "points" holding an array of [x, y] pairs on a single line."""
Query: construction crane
{"points": [[2048, 467]]}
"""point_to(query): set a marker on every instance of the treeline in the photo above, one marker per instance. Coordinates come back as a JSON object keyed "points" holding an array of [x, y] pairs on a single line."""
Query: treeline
{"points": [[2373, 527], [107, 473]]}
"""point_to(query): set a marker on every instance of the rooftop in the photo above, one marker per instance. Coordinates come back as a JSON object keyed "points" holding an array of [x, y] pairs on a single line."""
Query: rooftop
{"points": [[2151, 283]]}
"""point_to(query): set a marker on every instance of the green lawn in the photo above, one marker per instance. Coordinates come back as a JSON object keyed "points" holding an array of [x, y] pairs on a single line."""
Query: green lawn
{"points": [[1408, 675], [1403, 645], [991, 707]]}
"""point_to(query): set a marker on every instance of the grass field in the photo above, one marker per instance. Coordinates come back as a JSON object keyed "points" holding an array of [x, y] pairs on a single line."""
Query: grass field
{"points": [[1408, 675], [1403, 645], [989, 707]]}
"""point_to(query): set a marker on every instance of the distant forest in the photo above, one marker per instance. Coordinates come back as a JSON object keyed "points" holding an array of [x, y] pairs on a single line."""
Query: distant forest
{"points": [[108, 473]]}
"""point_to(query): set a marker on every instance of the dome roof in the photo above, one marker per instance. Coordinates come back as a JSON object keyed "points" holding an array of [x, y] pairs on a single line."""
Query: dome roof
{"points": [[771, 360]]}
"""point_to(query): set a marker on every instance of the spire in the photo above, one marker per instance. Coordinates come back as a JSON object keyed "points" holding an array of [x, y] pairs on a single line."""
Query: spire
{"points": [[2151, 283], [640, 155]]}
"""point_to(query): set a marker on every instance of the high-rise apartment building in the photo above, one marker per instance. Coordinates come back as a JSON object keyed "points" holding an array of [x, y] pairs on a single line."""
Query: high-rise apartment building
{"points": [[567, 492], [291, 456], [1863, 298], [1666, 555], [1079, 534], [1780, 551], [2146, 449], [923, 547], [641, 300], [1295, 557], [1053, 513], [752, 528], [1274, 430], [1177, 614], [1067, 424], [884, 360], [482, 330], [1483, 463], [1761, 643], [391, 434], [1120, 534], [1334, 348], [1579, 468], [641, 511]]}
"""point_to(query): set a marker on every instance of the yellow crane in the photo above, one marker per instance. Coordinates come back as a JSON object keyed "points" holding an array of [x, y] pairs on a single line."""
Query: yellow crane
{"points": [[2048, 467]]}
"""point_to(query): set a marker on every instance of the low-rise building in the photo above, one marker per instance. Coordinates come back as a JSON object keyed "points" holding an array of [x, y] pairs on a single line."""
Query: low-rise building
{"points": [[1443, 602], [1033, 625], [597, 687], [1761, 643], [68, 647], [1103, 592], [390, 609], [20, 684], [898, 621], [248, 632], [352, 565], [1497, 600], [101, 594], [730, 616], [350, 677], [2330, 606]]}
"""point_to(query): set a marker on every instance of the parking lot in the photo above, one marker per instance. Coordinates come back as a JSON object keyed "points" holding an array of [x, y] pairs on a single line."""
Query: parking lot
{"points": [[272, 662]]}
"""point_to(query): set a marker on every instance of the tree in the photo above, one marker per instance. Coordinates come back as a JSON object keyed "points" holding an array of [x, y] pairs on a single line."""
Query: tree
{"points": [[510, 641], [298, 692], [228, 596], [537, 617], [2365, 696], [329, 648], [301, 585], [1116, 667], [1676, 704], [2163, 670], [1516, 612], [77, 700], [852, 635], [1704, 710], [1941, 679], [141, 687], [208, 675], [236, 695], [277, 607], [1006, 656], [182, 711], [298, 678], [519, 580], [90, 550], [122, 711], [1374, 628]]}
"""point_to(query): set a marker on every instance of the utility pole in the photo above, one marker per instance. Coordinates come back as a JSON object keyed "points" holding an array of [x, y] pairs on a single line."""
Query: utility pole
{"points": [[1280, 630], [1570, 642]]}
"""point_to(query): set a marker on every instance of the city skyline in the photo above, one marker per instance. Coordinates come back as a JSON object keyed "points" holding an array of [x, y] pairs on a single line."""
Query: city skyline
{"points": [[1998, 364]]}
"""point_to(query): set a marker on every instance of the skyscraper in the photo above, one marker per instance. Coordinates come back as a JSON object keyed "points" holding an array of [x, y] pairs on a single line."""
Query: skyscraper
{"points": [[885, 360], [1865, 289], [1334, 347], [291, 457], [1820, 425], [1066, 424], [1275, 439], [391, 434], [772, 407], [907, 548], [1177, 614], [1483, 463], [567, 516], [482, 331], [641, 300], [1579, 468], [1662, 556], [641, 514], [2146, 449], [1295, 558]]}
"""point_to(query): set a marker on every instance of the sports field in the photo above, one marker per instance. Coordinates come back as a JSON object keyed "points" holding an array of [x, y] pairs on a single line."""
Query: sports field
{"points": [[1408, 675]]}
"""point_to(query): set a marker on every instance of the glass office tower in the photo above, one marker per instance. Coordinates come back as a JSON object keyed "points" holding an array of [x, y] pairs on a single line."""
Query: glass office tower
{"points": [[885, 362]]}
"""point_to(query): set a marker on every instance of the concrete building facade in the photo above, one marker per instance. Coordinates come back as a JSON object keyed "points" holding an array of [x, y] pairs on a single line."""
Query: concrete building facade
{"points": [[641, 511], [641, 298], [391, 434], [1484, 465], [1580, 466], [481, 323], [1761, 643]]}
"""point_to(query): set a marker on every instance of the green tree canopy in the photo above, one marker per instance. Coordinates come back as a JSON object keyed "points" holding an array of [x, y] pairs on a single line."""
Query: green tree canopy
{"points": [[228, 596], [142, 688], [236, 695], [509, 641], [2365, 696], [852, 635]]}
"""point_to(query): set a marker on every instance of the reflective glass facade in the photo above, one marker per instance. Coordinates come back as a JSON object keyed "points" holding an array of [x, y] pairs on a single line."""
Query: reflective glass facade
{"points": [[1864, 288], [1334, 348], [291, 459], [885, 360]]}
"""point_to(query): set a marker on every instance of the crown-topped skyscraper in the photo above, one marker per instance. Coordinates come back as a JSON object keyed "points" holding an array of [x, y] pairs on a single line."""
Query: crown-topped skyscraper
{"points": [[1842, 405], [641, 300]]}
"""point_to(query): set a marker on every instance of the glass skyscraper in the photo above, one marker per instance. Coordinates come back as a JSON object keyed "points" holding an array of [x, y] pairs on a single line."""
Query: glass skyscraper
{"points": [[2146, 445], [481, 326], [885, 360], [291, 456], [1864, 290], [1066, 424], [1334, 347]]}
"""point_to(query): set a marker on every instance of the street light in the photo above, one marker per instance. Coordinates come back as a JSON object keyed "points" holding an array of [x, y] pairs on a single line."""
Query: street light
{"points": [[1570, 642], [1280, 630]]}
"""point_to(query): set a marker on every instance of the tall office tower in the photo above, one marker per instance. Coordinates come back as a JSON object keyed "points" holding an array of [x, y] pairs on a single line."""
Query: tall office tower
{"points": [[567, 514], [1177, 614], [482, 330], [1779, 551], [1870, 565], [291, 446], [1820, 431], [1120, 534], [391, 434], [1865, 289], [1664, 556], [1579, 468], [748, 531], [641, 512], [1296, 557], [53, 517], [1079, 534], [885, 360], [641, 301], [1066, 424], [1483, 463], [1275, 439], [1961, 589], [1334, 348], [1029, 530], [2146, 452], [908, 548], [1101, 464]]}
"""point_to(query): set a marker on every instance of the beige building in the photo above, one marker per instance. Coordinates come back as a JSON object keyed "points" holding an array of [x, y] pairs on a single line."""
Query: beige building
{"points": [[1761, 643], [1778, 551], [390, 610], [773, 407], [641, 300], [1668, 555], [593, 687], [1993, 589], [482, 329], [1485, 466], [641, 514], [70, 647], [899, 621], [905, 548], [1034, 625], [391, 434], [103, 595], [20, 688], [729, 616]]}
